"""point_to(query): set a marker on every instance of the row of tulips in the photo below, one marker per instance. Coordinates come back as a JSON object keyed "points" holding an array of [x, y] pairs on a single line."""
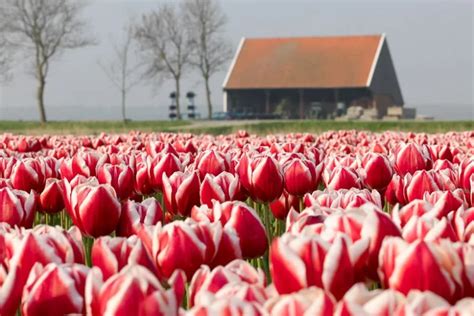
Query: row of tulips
{"points": [[345, 223]]}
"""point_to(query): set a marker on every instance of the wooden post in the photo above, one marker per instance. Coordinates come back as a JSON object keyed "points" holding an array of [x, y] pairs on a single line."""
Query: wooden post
{"points": [[301, 97], [267, 101]]}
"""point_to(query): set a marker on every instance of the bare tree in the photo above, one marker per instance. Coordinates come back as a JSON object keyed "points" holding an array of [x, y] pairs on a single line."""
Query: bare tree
{"points": [[121, 70], [47, 28], [205, 21], [165, 43], [5, 59]]}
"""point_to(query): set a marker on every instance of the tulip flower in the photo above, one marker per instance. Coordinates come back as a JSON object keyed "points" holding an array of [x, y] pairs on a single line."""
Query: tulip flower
{"points": [[243, 220], [161, 166], [17, 207], [206, 281], [134, 215], [310, 301], [110, 255], [343, 178], [181, 192], [332, 266], [376, 171], [301, 175], [132, 291], [28, 175], [211, 162], [223, 187], [120, 177], [283, 205], [51, 199], [261, 176], [68, 282], [422, 182], [420, 265], [89, 203], [412, 157]]}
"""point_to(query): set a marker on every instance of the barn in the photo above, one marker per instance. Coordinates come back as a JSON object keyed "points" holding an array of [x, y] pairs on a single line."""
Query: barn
{"points": [[311, 77]]}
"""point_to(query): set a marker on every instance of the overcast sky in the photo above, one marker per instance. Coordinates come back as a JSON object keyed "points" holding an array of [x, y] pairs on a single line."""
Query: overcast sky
{"points": [[431, 43]]}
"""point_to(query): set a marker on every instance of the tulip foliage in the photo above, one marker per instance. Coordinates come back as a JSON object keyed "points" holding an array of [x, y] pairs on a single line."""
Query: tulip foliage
{"points": [[341, 223]]}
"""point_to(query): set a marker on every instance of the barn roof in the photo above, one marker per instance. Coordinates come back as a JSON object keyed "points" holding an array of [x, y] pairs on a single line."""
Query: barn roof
{"points": [[305, 62]]}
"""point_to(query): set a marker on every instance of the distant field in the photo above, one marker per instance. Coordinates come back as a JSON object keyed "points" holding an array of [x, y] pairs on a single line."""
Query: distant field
{"points": [[226, 127]]}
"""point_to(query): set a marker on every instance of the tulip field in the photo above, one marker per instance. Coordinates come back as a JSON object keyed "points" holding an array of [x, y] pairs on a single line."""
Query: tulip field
{"points": [[141, 223]]}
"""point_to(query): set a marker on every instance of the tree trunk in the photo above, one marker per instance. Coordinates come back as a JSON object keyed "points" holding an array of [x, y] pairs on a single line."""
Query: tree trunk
{"points": [[124, 96], [208, 97], [178, 110], [40, 98]]}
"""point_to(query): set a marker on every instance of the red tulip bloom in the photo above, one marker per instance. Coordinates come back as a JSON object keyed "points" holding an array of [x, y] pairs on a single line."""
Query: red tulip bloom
{"points": [[261, 176], [89, 203], [133, 291], [120, 177], [17, 207], [311, 301], [181, 192], [51, 199], [412, 157], [301, 175], [376, 171], [55, 290], [134, 215], [421, 266], [111, 255], [284, 204], [297, 262], [211, 162], [162, 165], [343, 178], [28, 175], [223, 187]]}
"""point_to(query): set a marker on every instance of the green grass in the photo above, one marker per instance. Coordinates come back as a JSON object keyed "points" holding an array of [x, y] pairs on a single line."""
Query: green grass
{"points": [[311, 126], [216, 128], [87, 127]]}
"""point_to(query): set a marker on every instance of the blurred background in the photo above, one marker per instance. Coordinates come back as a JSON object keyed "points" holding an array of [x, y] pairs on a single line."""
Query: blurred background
{"points": [[431, 45]]}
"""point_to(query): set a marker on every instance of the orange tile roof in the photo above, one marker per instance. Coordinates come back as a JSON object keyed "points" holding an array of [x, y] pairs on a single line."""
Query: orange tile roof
{"points": [[305, 62]]}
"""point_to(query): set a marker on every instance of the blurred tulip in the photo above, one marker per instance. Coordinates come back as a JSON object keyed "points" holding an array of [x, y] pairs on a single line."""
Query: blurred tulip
{"points": [[132, 291], [284, 204], [343, 178], [55, 290], [27, 175]]}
